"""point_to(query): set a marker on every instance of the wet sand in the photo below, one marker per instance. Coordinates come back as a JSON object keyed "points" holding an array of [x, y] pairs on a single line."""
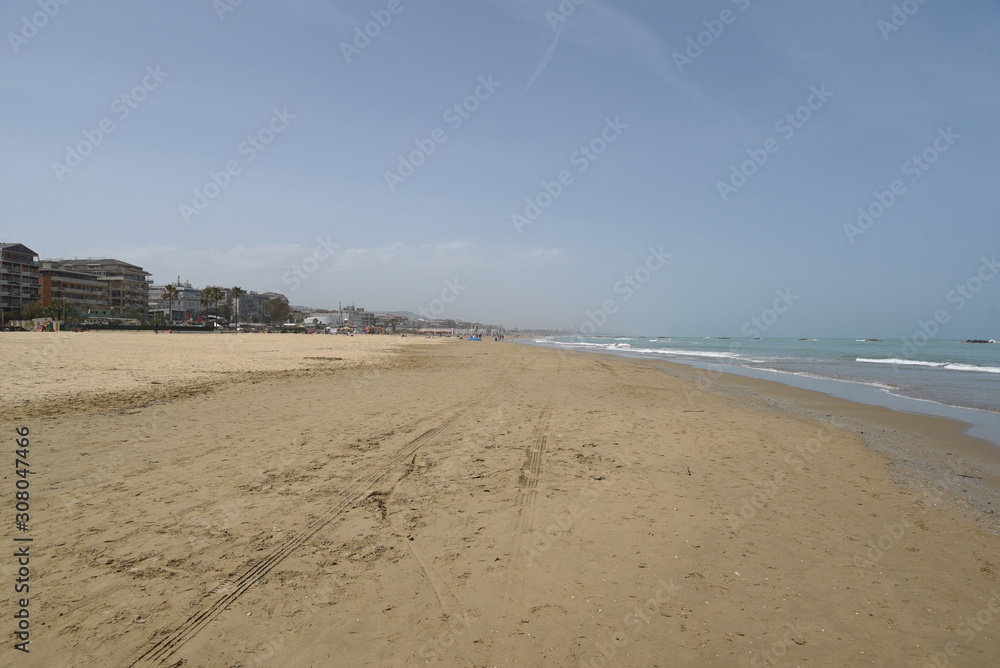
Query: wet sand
{"points": [[475, 504]]}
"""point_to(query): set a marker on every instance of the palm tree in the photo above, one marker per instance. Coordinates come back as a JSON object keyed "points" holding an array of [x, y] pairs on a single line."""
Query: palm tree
{"points": [[210, 296], [218, 294], [170, 293], [59, 308], [236, 293]]}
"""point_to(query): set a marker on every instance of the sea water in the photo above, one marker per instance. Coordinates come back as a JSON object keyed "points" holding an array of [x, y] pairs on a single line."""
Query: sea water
{"points": [[939, 377]]}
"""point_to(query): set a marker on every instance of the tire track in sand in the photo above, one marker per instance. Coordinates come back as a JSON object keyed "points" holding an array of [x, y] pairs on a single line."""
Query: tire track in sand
{"points": [[527, 498], [162, 649], [438, 584], [447, 599], [512, 593]]}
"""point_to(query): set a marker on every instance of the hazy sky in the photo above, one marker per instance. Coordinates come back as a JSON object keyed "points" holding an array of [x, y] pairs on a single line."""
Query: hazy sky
{"points": [[273, 144]]}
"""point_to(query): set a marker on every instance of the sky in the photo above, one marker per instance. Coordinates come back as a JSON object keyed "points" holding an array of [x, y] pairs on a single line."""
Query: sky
{"points": [[662, 168]]}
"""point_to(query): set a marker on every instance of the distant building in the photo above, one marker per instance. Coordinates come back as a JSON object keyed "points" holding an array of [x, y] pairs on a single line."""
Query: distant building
{"points": [[273, 296], [317, 319], [186, 305], [84, 291], [128, 284], [253, 306], [20, 280], [356, 317]]}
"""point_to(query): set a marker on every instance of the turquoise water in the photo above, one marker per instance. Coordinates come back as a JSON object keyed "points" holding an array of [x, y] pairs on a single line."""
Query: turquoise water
{"points": [[947, 373]]}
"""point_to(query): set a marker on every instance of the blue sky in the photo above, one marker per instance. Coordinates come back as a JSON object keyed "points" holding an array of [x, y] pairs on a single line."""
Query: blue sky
{"points": [[300, 119]]}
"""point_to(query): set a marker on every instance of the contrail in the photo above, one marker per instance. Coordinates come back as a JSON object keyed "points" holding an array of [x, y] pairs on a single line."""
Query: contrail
{"points": [[546, 58]]}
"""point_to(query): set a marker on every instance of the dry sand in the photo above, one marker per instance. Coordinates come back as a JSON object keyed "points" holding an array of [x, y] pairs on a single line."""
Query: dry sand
{"points": [[464, 504]]}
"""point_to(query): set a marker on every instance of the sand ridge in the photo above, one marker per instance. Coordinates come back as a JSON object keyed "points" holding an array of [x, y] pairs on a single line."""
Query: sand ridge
{"points": [[65, 371]]}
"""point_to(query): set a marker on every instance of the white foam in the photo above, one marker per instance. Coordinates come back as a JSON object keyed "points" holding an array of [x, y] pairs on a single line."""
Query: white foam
{"points": [[881, 386], [899, 362], [972, 367], [666, 352], [949, 366], [699, 353]]}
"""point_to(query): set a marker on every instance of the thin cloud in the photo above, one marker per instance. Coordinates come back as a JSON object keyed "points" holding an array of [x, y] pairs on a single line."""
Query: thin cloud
{"points": [[546, 58], [598, 27]]}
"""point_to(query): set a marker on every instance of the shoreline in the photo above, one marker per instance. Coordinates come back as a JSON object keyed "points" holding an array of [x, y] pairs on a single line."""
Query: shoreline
{"points": [[983, 422], [930, 453], [478, 503]]}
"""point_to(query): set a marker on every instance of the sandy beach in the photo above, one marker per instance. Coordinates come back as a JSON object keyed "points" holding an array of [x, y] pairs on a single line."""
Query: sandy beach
{"points": [[289, 500]]}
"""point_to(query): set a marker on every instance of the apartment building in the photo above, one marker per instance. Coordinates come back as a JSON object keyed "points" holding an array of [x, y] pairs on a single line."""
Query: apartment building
{"points": [[20, 282], [86, 292], [128, 284]]}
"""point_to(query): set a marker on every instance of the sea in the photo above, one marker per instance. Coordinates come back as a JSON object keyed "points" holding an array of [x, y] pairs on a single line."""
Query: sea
{"points": [[945, 378]]}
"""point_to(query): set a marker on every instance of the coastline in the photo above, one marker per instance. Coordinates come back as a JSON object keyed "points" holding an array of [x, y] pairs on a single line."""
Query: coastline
{"points": [[928, 452], [953, 399], [480, 503]]}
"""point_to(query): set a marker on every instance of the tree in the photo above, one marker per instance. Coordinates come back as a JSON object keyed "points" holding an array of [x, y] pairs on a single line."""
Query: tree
{"points": [[277, 310], [133, 313], [219, 295], [33, 310], [60, 308], [170, 293], [237, 292], [210, 297], [206, 298]]}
